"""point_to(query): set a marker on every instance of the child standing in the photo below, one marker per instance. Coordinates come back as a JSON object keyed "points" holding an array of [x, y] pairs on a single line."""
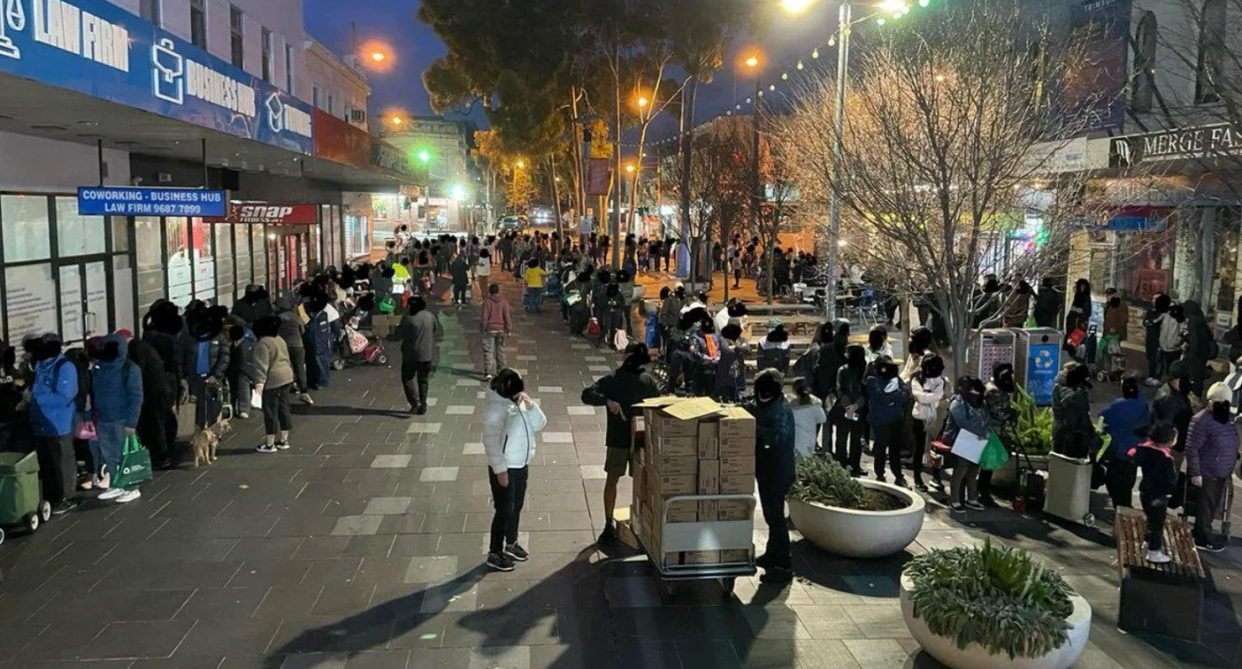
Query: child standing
{"points": [[808, 413], [534, 285], [1155, 458], [241, 366]]}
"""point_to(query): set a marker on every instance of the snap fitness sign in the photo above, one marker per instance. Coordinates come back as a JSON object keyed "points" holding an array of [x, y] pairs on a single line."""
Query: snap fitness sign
{"points": [[264, 212], [96, 48]]}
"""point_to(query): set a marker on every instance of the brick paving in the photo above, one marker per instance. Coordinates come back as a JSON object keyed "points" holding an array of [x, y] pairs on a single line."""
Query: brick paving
{"points": [[362, 548]]}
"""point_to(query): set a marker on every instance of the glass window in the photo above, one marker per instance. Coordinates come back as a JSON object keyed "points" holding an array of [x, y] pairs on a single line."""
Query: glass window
{"points": [[31, 301], [120, 234], [315, 97], [241, 235], [238, 37], [123, 292], [1144, 63], [224, 263], [71, 315], [268, 55], [78, 235], [259, 254], [150, 260], [180, 268], [153, 11], [198, 23], [204, 259], [1212, 32], [289, 66], [25, 223], [313, 263]]}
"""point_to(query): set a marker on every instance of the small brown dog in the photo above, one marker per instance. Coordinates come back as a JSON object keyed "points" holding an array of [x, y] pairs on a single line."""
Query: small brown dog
{"points": [[206, 440]]}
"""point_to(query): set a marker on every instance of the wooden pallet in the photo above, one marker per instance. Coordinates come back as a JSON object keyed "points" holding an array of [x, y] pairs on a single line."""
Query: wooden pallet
{"points": [[1165, 598]]}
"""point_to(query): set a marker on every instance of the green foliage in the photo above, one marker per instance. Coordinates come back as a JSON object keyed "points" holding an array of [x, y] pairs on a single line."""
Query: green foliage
{"points": [[1034, 430], [823, 481], [999, 598]]}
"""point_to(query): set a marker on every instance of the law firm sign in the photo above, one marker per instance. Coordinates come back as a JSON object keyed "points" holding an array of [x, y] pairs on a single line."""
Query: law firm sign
{"points": [[96, 48], [108, 201]]}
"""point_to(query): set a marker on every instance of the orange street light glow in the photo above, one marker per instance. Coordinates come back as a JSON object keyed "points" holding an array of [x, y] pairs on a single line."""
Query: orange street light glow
{"points": [[753, 61], [642, 102], [377, 57]]}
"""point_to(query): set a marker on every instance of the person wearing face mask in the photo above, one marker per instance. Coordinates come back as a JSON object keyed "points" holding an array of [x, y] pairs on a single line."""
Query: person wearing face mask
{"points": [[1126, 420], [774, 472], [1073, 434], [998, 397], [849, 412], [1175, 404], [887, 398], [967, 429], [1152, 321], [927, 387], [1211, 455], [510, 422], [878, 344]]}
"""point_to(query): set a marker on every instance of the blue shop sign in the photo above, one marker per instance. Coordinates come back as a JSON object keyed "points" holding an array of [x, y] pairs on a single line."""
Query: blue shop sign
{"points": [[109, 201], [96, 48]]}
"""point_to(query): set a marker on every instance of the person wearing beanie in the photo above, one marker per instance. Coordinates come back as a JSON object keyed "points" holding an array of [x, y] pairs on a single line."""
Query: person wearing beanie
{"points": [[775, 436], [1155, 457], [1211, 456], [774, 348], [619, 392]]}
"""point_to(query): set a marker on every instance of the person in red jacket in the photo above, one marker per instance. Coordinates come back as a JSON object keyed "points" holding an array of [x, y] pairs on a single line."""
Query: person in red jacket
{"points": [[495, 326]]}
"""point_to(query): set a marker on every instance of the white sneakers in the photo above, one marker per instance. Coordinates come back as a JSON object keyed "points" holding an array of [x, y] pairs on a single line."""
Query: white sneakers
{"points": [[112, 493], [1158, 557], [128, 496]]}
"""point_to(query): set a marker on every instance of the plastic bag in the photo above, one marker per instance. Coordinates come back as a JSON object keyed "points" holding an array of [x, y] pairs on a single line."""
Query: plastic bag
{"points": [[994, 455], [256, 399]]}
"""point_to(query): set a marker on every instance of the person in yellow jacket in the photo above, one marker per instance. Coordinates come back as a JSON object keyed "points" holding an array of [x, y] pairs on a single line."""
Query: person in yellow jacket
{"points": [[534, 286]]}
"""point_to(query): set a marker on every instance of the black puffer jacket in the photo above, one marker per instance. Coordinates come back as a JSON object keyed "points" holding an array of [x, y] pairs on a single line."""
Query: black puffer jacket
{"points": [[626, 387]]}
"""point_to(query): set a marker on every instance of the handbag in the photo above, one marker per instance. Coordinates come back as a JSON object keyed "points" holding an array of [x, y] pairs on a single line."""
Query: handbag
{"points": [[85, 430], [135, 464], [1075, 338], [994, 455]]}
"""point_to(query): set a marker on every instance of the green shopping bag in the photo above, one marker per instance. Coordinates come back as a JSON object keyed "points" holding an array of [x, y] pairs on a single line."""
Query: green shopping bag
{"points": [[994, 455], [1030, 323], [387, 304], [135, 464]]}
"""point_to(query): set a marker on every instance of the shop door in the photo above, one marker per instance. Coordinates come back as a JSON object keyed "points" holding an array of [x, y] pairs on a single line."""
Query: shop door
{"points": [[85, 303], [293, 258]]}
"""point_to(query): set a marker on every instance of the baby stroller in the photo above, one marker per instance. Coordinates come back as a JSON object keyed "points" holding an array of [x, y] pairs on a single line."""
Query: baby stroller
{"points": [[1086, 349], [361, 349], [552, 286], [1112, 360]]}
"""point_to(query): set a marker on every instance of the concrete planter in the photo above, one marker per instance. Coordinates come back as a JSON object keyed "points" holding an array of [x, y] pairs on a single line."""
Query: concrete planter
{"points": [[861, 534], [975, 656]]}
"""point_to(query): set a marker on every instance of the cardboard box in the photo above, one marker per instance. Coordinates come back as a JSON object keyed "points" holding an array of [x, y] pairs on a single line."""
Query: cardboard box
{"points": [[732, 510], [709, 440], [678, 447], [700, 557], [664, 486], [734, 556], [665, 465], [681, 512], [709, 477], [739, 464], [737, 484], [736, 423], [638, 433], [677, 417], [709, 511]]}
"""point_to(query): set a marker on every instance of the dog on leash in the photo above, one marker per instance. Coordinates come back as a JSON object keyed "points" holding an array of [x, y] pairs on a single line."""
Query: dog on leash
{"points": [[206, 441]]}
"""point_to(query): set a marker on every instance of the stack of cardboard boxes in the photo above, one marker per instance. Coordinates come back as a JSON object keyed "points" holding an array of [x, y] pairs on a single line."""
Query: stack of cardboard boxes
{"points": [[691, 446]]}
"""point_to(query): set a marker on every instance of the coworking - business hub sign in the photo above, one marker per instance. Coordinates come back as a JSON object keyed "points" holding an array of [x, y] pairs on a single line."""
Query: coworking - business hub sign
{"points": [[124, 201], [96, 48]]}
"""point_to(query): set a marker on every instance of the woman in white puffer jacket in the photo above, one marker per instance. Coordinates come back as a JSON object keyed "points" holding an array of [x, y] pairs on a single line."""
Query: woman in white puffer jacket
{"points": [[510, 422]]}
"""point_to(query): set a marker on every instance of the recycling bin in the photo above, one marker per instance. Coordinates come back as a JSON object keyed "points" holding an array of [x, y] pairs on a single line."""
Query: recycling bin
{"points": [[1037, 356]]}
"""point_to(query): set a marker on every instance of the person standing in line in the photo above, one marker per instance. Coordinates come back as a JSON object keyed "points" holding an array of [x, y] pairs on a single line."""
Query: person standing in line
{"points": [[1152, 321], [162, 328], [273, 374], [619, 392], [887, 398], [1201, 346], [157, 399], [850, 410], [775, 434], [1172, 337], [418, 332], [116, 401], [483, 272], [967, 429], [927, 388], [293, 331], [1048, 304], [533, 280], [241, 363], [1211, 456], [1073, 434], [1127, 420], [731, 369], [821, 365], [459, 272], [808, 413], [998, 396], [205, 357], [1155, 458], [495, 325], [510, 423], [52, 413]]}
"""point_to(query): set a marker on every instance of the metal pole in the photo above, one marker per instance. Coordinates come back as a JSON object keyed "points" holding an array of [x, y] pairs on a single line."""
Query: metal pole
{"points": [[843, 57], [616, 143], [754, 162]]}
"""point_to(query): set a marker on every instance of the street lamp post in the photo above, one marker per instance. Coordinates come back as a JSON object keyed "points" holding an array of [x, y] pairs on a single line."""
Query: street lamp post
{"points": [[838, 151]]}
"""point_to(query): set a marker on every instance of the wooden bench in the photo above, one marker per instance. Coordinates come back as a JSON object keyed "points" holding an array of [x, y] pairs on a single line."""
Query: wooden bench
{"points": [[1166, 598]]}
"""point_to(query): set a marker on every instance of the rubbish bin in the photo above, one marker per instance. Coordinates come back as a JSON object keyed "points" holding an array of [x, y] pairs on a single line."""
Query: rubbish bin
{"points": [[1036, 357], [1069, 489], [19, 491], [990, 349]]}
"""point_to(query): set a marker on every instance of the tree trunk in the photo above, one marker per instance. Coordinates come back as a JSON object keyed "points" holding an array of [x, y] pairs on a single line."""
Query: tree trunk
{"points": [[556, 197], [687, 140]]}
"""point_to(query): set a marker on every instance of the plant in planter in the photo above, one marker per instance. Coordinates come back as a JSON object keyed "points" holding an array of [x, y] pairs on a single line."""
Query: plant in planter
{"points": [[1034, 430], [996, 599], [851, 517]]}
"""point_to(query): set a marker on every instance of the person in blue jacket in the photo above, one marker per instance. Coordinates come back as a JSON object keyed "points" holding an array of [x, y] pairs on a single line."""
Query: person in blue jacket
{"points": [[52, 416], [318, 337], [1127, 420], [887, 398], [116, 401], [774, 472]]}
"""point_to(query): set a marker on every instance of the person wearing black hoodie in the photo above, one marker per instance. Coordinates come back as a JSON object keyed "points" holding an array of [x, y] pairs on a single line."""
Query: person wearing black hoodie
{"points": [[157, 400], [820, 366], [162, 327], [620, 391], [1073, 433], [775, 435], [1048, 304], [887, 399], [204, 363], [850, 410], [1151, 331], [254, 304]]}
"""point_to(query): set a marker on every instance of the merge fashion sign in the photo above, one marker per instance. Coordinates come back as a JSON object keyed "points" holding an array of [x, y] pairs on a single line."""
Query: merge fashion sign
{"points": [[96, 48], [117, 201], [1202, 142]]}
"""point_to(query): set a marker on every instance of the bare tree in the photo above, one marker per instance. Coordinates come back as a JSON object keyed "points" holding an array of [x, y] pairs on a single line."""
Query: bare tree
{"points": [[948, 142]]}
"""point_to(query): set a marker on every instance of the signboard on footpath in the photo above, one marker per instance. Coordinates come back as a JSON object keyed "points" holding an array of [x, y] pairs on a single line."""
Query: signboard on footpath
{"points": [[98, 49], [119, 201]]}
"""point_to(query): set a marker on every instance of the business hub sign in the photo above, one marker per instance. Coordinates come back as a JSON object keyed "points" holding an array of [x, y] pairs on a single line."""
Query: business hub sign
{"points": [[96, 48]]}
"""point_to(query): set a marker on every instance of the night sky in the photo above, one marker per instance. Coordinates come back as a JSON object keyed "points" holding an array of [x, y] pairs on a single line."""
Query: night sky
{"points": [[414, 46]]}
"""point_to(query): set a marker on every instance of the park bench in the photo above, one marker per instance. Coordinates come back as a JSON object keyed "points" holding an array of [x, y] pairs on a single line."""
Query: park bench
{"points": [[1165, 599]]}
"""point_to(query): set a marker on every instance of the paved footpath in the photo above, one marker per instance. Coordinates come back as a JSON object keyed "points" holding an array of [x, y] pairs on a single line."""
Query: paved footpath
{"points": [[362, 547]]}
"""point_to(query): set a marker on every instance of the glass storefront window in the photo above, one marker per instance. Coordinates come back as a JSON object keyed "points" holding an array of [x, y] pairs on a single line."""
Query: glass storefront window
{"points": [[201, 236], [180, 265], [25, 224], [224, 263], [78, 235], [31, 300], [120, 234], [258, 245], [241, 251], [150, 261]]}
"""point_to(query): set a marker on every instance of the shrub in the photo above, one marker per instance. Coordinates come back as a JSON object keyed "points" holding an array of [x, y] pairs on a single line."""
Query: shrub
{"points": [[999, 598], [824, 481], [1034, 429]]}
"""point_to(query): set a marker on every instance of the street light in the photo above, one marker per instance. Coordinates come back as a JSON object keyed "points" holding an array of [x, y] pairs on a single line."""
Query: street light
{"points": [[424, 156], [752, 61], [520, 164], [642, 102], [629, 167]]}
